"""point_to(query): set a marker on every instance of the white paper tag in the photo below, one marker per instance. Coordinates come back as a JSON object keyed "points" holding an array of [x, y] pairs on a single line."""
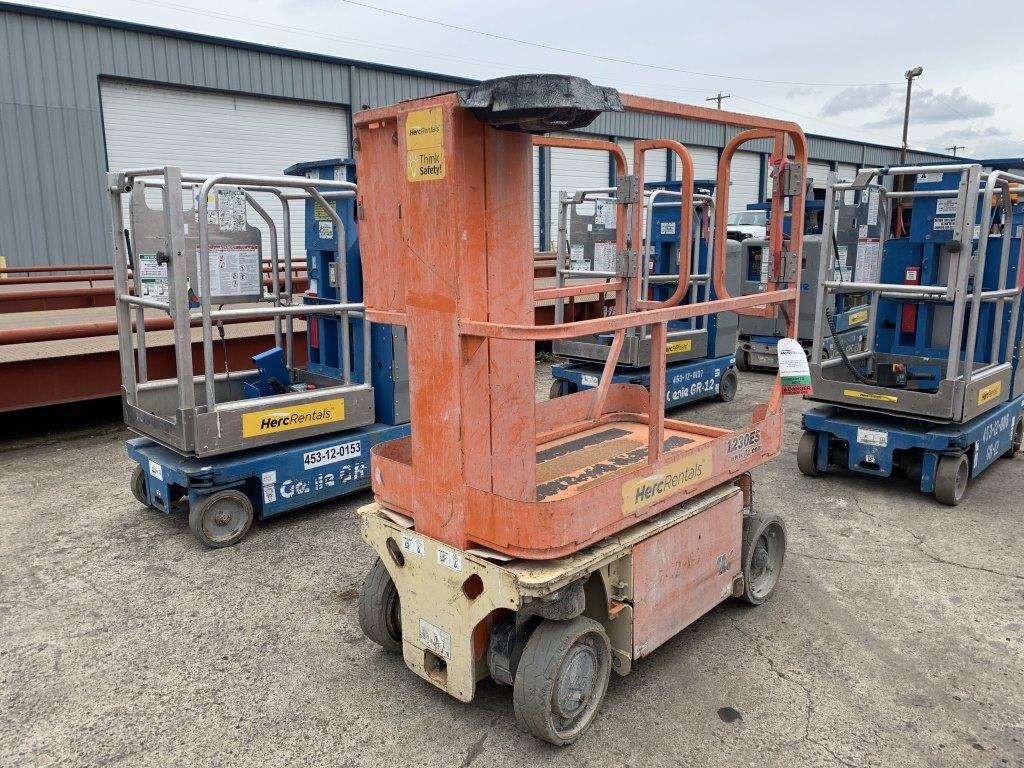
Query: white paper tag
{"points": [[156, 470], [576, 254], [604, 257], [875, 437], [793, 368], [325, 229]]}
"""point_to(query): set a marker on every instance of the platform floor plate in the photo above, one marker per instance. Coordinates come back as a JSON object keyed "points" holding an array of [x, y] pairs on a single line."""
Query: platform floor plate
{"points": [[567, 465]]}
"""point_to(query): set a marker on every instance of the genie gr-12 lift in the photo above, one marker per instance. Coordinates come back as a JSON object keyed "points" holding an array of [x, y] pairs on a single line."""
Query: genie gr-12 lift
{"points": [[937, 392], [227, 446], [701, 351], [759, 336]]}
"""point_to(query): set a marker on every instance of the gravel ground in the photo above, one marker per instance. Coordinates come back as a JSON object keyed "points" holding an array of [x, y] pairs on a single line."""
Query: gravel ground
{"points": [[895, 638]]}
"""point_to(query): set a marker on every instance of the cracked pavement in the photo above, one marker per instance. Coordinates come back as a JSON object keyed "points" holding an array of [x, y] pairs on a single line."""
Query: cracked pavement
{"points": [[896, 638]]}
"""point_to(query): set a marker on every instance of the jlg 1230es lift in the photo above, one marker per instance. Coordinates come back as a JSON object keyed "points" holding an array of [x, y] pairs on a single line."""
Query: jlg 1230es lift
{"points": [[546, 544]]}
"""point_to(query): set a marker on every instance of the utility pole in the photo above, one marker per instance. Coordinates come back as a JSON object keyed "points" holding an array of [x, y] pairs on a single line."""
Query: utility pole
{"points": [[954, 148], [910, 74], [719, 98]]}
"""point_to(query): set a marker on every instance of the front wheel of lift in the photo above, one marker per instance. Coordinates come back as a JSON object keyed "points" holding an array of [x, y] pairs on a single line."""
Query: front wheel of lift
{"points": [[139, 486], [727, 387], [951, 479], [764, 552], [562, 679], [221, 519], [380, 609], [807, 453], [1016, 440], [556, 389]]}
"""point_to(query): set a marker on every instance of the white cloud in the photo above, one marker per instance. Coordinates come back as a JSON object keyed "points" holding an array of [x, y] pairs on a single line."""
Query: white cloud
{"points": [[929, 107], [856, 98], [979, 143]]}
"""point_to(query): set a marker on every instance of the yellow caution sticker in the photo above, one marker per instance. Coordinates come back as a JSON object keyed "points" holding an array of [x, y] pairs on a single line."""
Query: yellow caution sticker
{"points": [[991, 392], [259, 423], [424, 145], [672, 478], [679, 346], [858, 317], [871, 396]]}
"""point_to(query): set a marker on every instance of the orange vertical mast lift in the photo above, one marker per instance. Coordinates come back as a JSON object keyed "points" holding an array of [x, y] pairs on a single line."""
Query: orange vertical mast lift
{"points": [[547, 543]]}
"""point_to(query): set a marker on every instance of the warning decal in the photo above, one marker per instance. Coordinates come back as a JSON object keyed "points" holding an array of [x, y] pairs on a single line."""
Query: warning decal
{"points": [[424, 145]]}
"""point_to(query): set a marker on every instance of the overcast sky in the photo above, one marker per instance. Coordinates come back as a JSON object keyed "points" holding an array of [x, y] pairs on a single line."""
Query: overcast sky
{"points": [[835, 68]]}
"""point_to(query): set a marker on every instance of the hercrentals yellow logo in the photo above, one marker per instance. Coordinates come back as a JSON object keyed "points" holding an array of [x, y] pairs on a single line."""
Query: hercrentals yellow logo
{"points": [[673, 478], [267, 422]]}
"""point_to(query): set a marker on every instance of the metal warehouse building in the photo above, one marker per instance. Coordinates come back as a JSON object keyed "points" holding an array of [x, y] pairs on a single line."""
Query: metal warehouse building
{"points": [[80, 95]]}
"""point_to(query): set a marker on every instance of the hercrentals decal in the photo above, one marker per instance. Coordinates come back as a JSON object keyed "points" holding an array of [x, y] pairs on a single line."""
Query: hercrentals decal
{"points": [[259, 423], [673, 478]]}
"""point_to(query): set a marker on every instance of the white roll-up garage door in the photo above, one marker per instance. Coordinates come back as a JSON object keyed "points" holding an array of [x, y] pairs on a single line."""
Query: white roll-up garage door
{"points": [[655, 161], [146, 125], [745, 180], [571, 170], [846, 171], [536, 200], [705, 163], [818, 170]]}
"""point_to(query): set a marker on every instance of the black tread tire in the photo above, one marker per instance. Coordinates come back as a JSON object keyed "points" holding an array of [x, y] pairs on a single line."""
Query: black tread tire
{"points": [[536, 676], [754, 526], [952, 477], [139, 486], [806, 453], [727, 386], [378, 598], [1016, 440], [743, 360], [556, 389], [198, 511]]}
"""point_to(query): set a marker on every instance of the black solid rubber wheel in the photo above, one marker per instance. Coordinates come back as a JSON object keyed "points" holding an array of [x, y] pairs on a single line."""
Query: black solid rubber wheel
{"points": [[1016, 440], [806, 453], [764, 552], [951, 479], [380, 609], [556, 389], [743, 360], [139, 486], [727, 387], [221, 519], [562, 679]]}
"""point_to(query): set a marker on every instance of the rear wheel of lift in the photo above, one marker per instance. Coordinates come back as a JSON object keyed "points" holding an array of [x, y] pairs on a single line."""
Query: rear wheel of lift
{"points": [[743, 360], [139, 486], [556, 389], [806, 454], [221, 519], [727, 387], [380, 609], [562, 679], [1016, 440], [764, 552], [951, 479]]}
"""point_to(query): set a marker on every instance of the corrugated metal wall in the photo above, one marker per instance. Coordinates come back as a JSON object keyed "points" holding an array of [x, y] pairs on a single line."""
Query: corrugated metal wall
{"points": [[52, 155]]}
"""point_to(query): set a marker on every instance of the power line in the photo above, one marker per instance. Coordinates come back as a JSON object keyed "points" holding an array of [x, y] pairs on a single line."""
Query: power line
{"points": [[599, 57], [986, 129]]}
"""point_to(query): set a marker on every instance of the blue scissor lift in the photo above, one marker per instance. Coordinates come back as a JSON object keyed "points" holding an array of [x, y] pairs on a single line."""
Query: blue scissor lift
{"points": [[700, 359], [222, 493], [938, 392]]}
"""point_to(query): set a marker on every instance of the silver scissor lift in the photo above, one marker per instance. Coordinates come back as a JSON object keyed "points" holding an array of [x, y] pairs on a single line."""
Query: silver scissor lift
{"points": [[962, 259], [203, 415], [575, 230]]}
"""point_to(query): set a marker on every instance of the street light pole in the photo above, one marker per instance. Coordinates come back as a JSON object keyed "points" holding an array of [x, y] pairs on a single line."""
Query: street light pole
{"points": [[910, 74]]}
